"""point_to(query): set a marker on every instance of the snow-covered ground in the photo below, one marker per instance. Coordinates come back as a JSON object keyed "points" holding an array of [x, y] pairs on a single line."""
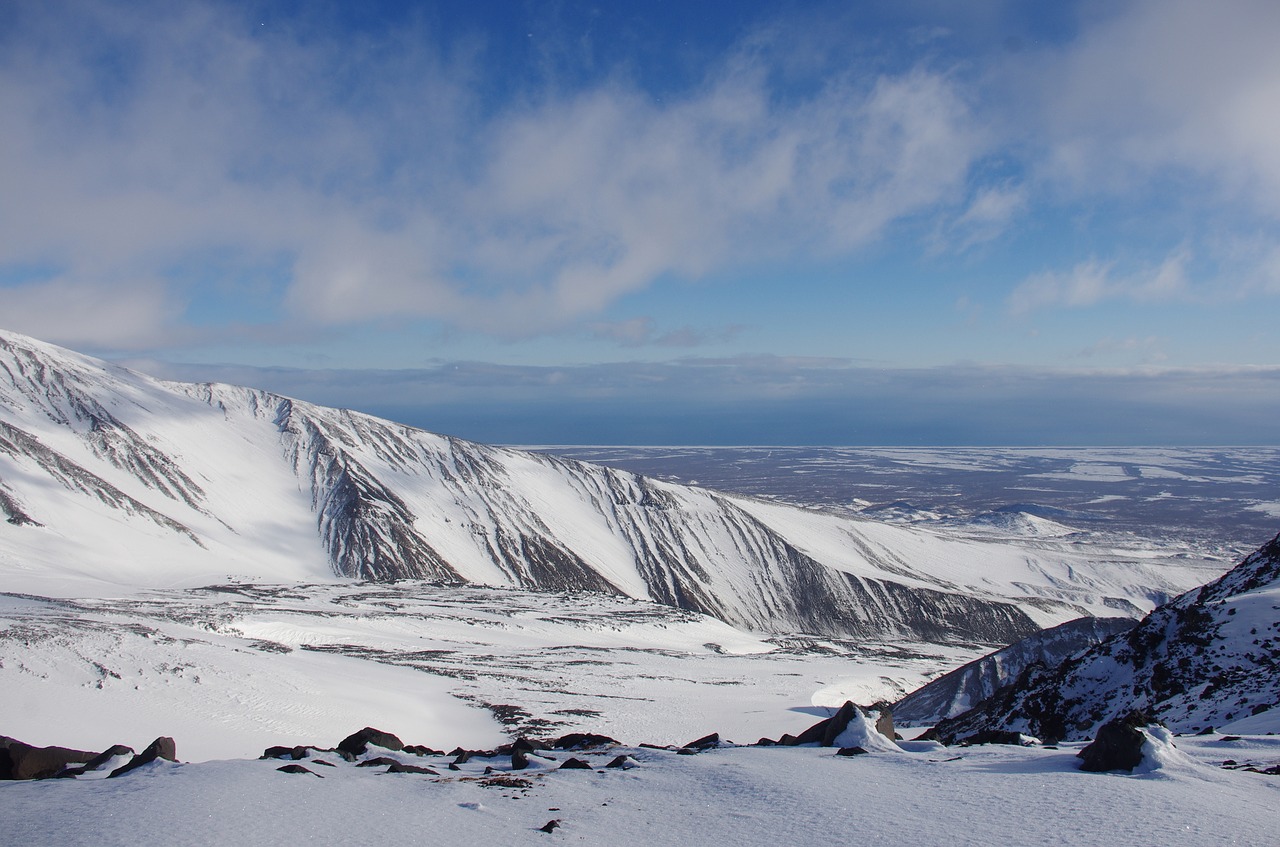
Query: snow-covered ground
{"points": [[231, 671], [925, 795], [131, 504]]}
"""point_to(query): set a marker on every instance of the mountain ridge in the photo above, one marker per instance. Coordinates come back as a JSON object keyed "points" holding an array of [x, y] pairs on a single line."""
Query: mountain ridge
{"points": [[1208, 658], [248, 479]]}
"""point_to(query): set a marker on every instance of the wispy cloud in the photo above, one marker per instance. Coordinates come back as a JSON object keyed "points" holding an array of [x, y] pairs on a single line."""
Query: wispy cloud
{"points": [[1157, 84], [1094, 282], [644, 332], [140, 134]]}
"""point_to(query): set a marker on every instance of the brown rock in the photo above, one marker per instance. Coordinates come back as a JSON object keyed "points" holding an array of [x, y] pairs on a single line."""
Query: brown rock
{"points": [[19, 760], [162, 748]]}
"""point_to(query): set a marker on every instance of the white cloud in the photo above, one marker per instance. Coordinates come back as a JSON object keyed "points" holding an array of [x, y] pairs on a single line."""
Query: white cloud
{"points": [[990, 213], [131, 314], [139, 135], [1093, 282], [1156, 84]]}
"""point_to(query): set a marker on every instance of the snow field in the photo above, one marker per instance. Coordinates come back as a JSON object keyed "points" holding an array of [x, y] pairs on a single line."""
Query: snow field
{"points": [[757, 796], [230, 672]]}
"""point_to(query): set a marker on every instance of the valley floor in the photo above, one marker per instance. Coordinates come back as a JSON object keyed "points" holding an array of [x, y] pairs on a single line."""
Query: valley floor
{"points": [[232, 669]]}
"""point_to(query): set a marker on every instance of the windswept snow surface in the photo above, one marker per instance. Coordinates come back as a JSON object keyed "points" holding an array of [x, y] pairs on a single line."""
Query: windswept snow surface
{"points": [[747, 797]]}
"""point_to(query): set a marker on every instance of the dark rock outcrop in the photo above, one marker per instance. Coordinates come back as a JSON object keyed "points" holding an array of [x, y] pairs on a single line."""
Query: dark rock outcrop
{"points": [[583, 741], [162, 748], [398, 767], [378, 762], [706, 742], [1118, 746], [357, 743], [297, 769], [824, 732], [992, 736], [574, 764], [19, 760], [884, 723]]}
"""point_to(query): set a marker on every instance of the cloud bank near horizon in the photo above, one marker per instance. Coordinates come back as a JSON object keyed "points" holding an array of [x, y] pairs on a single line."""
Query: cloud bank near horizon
{"points": [[770, 400]]}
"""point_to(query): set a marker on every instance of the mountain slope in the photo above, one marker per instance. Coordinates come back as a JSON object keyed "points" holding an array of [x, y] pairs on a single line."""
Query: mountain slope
{"points": [[109, 475], [1205, 659], [966, 686]]}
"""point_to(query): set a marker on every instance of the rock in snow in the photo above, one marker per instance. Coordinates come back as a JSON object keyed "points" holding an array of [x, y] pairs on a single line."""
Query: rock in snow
{"points": [[1118, 746], [24, 761]]}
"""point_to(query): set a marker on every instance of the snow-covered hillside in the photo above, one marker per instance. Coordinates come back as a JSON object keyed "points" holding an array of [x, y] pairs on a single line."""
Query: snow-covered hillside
{"points": [[1209, 658], [968, 685], [748, 797], [111, 480]]}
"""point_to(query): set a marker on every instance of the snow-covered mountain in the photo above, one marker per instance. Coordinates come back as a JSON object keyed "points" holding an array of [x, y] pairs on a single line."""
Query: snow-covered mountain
{"points": [[966, 686], [111, 477], [1208, 658]]}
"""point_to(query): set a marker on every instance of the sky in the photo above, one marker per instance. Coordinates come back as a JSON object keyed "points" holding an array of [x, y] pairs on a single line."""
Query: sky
{"points": [[788, 222]]}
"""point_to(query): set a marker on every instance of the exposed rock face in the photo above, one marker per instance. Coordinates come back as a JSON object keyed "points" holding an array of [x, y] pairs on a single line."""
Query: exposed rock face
{"points": [[993, 736], [825, 732], [884, 724], [848, 721], [1206, 658], [397, 767], [19, 760]]}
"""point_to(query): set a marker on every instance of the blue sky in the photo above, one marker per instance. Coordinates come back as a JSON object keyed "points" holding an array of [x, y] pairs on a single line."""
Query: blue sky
{"points": [[664, 222]]}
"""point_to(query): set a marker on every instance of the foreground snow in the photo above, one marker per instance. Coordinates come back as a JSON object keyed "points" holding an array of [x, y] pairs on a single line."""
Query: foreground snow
{"points": [[743, 796]]}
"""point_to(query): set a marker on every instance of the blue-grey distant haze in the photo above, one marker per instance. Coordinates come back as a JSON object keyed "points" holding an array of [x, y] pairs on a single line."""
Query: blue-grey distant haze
{"points": [[796, 222]]}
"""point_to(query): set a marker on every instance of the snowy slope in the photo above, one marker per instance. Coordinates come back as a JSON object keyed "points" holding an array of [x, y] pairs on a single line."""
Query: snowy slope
{"points": [[748, 797], [111, 480], [966, 686], [1208, 658]]}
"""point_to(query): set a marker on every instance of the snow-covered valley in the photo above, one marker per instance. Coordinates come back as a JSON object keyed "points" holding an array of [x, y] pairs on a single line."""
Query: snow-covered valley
{"points": [[239, 570]]}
